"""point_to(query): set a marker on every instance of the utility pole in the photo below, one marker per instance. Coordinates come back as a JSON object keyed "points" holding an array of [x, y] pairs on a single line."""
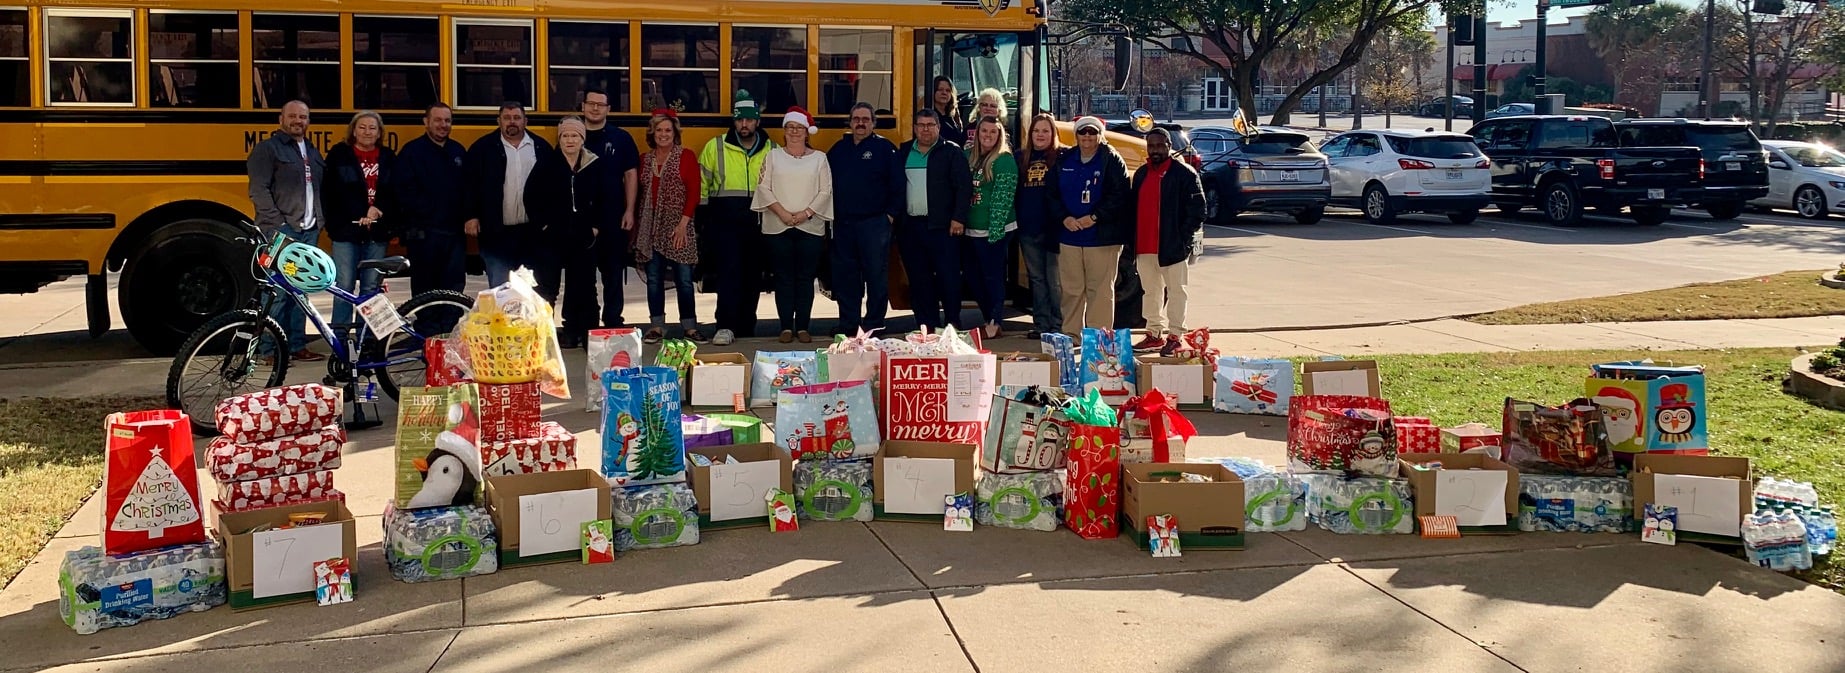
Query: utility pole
{"points": [[1540, 103], [1448, 78], [1479, 65], [1706, 81]]}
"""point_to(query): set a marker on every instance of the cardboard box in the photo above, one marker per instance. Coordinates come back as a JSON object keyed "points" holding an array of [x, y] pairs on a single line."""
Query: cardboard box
{"points": [[1648, 466], [1029, 369], [503, 495], [238, 530], [716, 380], [703, 485], [1423, 484], [1210, 514], [1332, 379], [964, 455], [1194, 384]]}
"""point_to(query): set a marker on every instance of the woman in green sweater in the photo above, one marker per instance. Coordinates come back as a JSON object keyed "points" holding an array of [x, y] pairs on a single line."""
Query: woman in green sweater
{"points": [[991, 221]]}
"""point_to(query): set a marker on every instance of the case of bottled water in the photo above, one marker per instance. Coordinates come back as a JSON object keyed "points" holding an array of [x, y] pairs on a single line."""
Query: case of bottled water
{"points": [[1556, 503]]}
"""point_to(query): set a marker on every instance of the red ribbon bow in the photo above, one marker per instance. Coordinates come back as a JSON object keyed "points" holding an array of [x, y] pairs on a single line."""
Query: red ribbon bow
{"points": [[1163, 419]]}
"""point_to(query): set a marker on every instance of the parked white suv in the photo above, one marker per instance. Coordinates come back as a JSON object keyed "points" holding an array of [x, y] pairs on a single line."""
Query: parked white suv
{"points": [[1385, 173]]}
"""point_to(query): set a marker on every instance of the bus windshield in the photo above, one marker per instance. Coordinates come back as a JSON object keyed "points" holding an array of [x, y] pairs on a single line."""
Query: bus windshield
{"points": [[981, 61]]}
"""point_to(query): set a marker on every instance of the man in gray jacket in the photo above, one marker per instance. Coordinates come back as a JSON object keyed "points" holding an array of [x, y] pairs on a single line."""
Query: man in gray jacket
{"points": [[286, 174]]}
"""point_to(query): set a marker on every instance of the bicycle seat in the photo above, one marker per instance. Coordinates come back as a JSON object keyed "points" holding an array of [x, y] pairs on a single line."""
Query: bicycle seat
{"points": [[390, 266]]}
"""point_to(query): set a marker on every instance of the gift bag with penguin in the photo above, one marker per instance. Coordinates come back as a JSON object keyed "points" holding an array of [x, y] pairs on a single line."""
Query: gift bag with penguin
{"points": [[642, 435], [1108, 363], [438, 447], [1650, 408]]}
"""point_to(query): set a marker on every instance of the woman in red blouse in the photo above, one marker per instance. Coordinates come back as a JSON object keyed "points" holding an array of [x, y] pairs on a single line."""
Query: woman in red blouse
{"points": [[354, 200], [664, 239]]}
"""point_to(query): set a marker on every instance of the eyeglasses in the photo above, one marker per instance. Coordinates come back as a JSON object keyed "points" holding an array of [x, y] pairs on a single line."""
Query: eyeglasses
{"points": [[1088, 132], [594, 104], [929, 125]]}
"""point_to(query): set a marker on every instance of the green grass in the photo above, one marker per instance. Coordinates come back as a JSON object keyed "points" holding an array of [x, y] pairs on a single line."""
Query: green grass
{"points": [[51, 458], [1792, 294], [1749, 416]]}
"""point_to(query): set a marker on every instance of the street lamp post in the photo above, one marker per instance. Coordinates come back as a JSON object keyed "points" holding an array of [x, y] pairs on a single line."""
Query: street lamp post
{"points": [[1706, 89]]}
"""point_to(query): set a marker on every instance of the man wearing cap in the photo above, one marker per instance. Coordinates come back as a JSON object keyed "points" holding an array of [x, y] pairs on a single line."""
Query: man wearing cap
{"points": [[938, 196], [732, 165], [868, 200], [1093, 193]]}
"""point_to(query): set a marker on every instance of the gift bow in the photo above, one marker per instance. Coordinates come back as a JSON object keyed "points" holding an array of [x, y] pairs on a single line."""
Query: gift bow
{"points": [[1254, 392], [1163, 420]]}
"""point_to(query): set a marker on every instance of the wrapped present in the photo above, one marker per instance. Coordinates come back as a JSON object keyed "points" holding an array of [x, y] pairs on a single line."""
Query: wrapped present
{"points": [[1342, 433], [1560, 503], [97, 591], [1417, 434], [1153, 430], [937, 398], [833, 490], [226, 460], [553, 450], [509, 411], [278, 412], [1063, 348], [1194, 347], [1471, 438], [1093, 477], [1360, 505], [287, 489], [641, 427], [1030, 500], [614, 348], [440, 543], [1567, 439], [654, 516], [1274, 501], [150, 487], [446, 366]]}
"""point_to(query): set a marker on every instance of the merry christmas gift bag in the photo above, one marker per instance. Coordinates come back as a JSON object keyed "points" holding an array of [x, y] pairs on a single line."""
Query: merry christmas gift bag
{"points": [[438, 447], [775, 371], [1253, 386], [150, 486], [827, 420], [943, 398], [616, 348], [642, 439], [1342, 433], [1108, 363]]}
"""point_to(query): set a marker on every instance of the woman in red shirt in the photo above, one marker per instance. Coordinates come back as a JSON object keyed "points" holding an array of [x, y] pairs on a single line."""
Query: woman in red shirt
{"points": [[354, 201], [664, 238]]}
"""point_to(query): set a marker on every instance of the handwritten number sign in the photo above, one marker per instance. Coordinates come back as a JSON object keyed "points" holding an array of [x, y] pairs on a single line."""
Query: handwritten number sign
{"points": [[282, 561]]}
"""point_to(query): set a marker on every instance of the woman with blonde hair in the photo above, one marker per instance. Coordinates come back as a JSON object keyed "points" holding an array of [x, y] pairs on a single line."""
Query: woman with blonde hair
{"points": [[990, 221], [1038, 157], [354, 201], [795, 197], [664, 239], [990, 103]]}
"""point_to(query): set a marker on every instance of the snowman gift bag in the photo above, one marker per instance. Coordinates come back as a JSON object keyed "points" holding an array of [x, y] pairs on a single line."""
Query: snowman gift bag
{"points": [[438, 447], [1108, 364], [150, 485], [643, 440], [614, 348]]}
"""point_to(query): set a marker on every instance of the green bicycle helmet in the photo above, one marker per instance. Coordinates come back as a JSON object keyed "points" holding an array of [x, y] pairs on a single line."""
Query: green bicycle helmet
{"points": [[305, 267]]}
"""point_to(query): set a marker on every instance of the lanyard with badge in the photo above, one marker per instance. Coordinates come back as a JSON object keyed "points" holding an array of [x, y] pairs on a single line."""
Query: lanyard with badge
{"points": [[1089, 185], [307, 171]]}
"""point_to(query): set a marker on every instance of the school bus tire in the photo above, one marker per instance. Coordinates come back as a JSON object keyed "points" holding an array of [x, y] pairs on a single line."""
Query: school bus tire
{"points": [[182, 275]]}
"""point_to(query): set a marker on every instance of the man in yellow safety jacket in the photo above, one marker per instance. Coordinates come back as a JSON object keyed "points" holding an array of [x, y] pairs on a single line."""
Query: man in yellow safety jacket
{"points": [[731, 164]]}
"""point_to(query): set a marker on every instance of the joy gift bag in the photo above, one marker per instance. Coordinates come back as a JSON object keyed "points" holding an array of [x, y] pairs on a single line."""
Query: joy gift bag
{"points": [[775, 371], [438, 447], [1651, 408], [1253, 386], [150, 486], [1021, 433], [617, 348], [1342, 433], [1108, 363], [1153, 430], [642, 439], [1569, 439], [827, 420]]}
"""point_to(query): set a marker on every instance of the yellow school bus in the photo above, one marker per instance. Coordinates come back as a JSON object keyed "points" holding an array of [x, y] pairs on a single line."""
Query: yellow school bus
{"points": [[124, 125]]}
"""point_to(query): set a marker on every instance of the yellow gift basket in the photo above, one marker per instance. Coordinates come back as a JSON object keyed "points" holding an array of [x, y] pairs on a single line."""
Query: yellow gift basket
{"points": [[509, 337]]}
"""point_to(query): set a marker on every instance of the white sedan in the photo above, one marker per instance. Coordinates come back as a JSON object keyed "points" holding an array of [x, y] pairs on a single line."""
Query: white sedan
{"points": [[1387, 172], [1807, 177]]}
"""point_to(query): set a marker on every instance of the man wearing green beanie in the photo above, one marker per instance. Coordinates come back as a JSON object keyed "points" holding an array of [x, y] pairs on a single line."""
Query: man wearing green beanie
{"points": [[732, 164]]}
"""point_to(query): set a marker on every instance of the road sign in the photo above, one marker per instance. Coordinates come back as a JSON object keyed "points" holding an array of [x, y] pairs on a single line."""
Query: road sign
{"points": [[1562, 4]]}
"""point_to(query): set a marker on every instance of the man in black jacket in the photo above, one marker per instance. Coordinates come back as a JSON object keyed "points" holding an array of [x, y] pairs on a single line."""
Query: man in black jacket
{"points": [[1169, 213], [498, 166], [427, 182], [867, 200], [939, 191], [610, 252]]}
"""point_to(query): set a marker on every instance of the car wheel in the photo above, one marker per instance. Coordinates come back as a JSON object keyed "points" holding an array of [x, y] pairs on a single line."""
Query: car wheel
{"points": [[1562, 208], [1464, 216], [1727, 210], [1377, 205], [1810, 203], [1310, 215], [1651, 216]]}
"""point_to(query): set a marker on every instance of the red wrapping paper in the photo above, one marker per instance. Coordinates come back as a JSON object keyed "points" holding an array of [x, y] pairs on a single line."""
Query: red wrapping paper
{"points": [[226, 460], [553, 450], [278, 412], [509, 411], [242, 496], [1093, 481], [332, 496], [1152, 422], [1417, 434], [150, 487], [442, 370]]}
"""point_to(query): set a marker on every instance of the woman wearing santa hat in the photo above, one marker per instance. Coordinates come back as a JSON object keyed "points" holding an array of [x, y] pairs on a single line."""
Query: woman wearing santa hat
{"points": [[795, 197]]}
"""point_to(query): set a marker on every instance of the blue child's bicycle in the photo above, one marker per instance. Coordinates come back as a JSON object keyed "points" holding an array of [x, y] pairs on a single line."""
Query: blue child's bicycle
{"points": [[226, 356]]}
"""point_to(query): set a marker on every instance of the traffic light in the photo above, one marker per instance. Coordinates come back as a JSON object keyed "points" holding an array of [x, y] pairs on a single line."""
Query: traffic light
{"points": [[1460, 30], [1768, 6]]}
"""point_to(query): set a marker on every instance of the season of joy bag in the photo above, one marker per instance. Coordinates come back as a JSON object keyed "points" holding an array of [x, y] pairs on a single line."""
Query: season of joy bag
{"points": [[1342, 433], [642, 435], [827, 420], [150, 485]]}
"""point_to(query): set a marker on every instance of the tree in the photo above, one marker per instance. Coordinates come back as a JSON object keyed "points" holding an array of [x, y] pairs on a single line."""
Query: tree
{"points": [[1574, 92], [1385, 79], [1630, 40], [656, 459], [1767, 52]]}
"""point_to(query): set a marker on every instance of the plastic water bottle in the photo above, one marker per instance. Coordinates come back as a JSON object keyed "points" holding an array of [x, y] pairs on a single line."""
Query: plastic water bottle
{"points": [[1828, 525], [1754, 534], [1800, 558]]}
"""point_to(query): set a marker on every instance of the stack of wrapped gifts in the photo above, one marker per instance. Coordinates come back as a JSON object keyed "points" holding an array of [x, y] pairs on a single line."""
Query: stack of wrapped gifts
{"points": [[277, 447]]}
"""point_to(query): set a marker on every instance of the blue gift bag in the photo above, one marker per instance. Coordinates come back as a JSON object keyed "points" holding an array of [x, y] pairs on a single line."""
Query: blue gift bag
{"points": [[642, 440]]}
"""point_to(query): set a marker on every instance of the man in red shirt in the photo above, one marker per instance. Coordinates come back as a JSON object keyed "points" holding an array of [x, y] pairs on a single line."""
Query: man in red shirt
{"points": [[1169, 217]]}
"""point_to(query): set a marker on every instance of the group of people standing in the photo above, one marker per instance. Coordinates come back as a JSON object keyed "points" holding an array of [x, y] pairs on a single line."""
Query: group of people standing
{"points": [[952, 200]]}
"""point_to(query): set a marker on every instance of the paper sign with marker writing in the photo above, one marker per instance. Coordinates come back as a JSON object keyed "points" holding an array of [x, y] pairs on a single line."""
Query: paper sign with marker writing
{"points": [[1472, 497], [553, 522], [1350, 382], [718, 385], [970, 390], [1185, 382], [737, 488], [1028, 373], [917, 485], [282, 561], [1705, 504]]}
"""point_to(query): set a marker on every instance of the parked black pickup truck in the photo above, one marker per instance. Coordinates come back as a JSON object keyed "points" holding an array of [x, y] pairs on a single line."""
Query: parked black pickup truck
{"points": [[1562, 164], [1735, 167]]}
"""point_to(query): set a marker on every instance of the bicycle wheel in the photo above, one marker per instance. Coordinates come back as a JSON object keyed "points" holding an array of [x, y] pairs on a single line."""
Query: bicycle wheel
{"points": [[221, 359], [432, 313]]}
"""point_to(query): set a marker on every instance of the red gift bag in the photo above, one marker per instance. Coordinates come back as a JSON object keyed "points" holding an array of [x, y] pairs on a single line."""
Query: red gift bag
{"points": [[509, 411], [1153, 429], [1417, 434], [1093, 481], [1569, 439], [445, 366], [1341, 433], [150, 485]]}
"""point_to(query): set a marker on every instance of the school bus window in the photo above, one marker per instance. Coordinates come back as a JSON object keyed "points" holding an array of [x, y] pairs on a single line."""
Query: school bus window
{"points": [[584, 56], [15, 75], [679, 67], [771, 64], [192, 59], [395, 63], [493, 63], [296, 56], [855, 65], [90, 56]]}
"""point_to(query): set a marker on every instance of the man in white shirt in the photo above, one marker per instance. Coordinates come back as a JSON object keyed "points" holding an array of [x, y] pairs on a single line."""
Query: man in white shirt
{"points": [[285, 173], [498, 167]]}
